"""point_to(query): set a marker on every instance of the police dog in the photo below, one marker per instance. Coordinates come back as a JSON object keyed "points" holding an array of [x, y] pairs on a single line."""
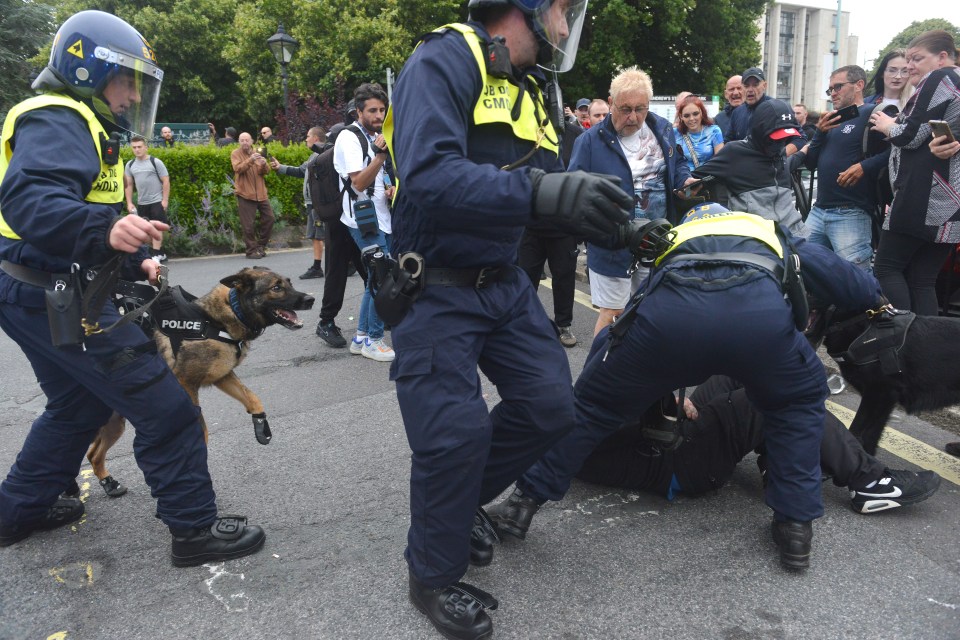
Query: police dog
{"points": [[264, 298], [929, 377]]}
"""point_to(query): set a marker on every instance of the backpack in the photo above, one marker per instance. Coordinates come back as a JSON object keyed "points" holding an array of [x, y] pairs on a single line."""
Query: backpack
{"points": [[325, 184], [153, 161]]}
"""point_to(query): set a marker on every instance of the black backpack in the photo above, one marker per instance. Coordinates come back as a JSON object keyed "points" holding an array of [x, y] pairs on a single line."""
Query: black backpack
{"points": [[325, 184]]}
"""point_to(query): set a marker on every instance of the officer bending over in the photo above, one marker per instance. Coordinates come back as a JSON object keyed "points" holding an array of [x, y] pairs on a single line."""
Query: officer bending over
{"points": [[714, 304], [470, 178], [722, 427], [59, 217]]}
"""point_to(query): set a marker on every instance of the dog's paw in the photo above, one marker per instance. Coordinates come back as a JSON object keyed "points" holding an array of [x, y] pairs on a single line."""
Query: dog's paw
{"points": [[261, 428]]}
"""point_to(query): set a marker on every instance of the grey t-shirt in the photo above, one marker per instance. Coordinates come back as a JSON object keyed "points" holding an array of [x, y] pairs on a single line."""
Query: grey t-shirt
{"points": [[145, 179]]}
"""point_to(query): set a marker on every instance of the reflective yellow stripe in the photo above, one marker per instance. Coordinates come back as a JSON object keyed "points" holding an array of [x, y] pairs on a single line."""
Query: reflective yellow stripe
{"points": [[495, 103], [746, 225], [107, 187]]}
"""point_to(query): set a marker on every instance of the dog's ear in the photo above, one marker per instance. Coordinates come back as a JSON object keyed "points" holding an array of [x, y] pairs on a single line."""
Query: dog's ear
{"points": [[241, 280]]}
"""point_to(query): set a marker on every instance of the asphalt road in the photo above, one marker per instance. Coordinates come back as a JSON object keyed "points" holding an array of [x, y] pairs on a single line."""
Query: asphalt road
{"points": [[331, 491]]}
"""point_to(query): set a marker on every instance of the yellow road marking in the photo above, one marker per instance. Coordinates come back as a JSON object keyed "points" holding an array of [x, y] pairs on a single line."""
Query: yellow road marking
{"points": [[908, 448], [897, 443]]}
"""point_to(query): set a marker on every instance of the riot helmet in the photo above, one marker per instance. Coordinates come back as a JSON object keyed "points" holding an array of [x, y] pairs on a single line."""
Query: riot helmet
{"points": [[103, 61], [705, 210], [556, 24]]}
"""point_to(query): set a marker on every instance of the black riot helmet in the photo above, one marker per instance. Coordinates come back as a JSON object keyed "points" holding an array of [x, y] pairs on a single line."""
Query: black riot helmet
{"points": [[556, 23], [103, 61]]}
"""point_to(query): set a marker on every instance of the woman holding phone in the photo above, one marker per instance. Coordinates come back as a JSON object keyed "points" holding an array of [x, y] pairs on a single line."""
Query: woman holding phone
{"points": [[924, 219]]}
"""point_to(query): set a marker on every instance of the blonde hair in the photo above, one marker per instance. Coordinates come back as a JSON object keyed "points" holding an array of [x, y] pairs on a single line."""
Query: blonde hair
{"points": [[632, 79]]}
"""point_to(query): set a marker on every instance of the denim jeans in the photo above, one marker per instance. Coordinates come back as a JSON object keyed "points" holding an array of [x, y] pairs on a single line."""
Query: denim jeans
{"points": [[846, 230], [369, 322]]}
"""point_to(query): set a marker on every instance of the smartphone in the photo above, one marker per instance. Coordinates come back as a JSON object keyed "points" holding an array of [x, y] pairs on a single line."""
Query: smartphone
{"points": [[942, 128], [687, 190], [848, 113]]}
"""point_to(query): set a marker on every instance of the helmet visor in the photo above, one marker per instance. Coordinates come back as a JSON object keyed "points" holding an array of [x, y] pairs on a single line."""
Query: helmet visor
{"points": [[130, 94], [559, 22]]}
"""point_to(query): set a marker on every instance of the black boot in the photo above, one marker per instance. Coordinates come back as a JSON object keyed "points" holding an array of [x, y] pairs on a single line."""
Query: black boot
{"points": [[228, 538], [482, 538], [793, 538], [64, 511], [457, 611], [514, 514]]}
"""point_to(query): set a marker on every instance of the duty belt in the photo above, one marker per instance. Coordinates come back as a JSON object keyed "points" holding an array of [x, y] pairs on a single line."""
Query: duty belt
{"points": [[476, 278], [35, 277]]}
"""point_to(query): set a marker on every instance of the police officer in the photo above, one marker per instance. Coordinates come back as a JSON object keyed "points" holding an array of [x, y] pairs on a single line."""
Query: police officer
{"points": [[60, 214], [714, 304], [470, 178]]}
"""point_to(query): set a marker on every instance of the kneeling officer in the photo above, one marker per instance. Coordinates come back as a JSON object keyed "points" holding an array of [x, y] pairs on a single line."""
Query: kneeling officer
{"points": [[715, 304], [60, 195]]}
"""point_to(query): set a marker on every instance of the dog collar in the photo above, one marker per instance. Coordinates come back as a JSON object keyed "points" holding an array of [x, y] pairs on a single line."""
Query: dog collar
{"points": [[235, 305]]}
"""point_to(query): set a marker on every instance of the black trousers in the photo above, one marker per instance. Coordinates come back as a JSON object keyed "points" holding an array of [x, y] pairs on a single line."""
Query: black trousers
{"points": [[561, 254], [729, 428], [339, 251]]}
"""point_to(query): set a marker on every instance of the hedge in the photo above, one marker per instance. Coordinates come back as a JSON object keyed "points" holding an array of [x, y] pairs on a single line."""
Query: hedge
{"points": [[201, 192]]}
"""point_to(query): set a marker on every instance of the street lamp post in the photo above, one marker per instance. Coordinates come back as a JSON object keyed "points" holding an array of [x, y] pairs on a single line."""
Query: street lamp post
{"points": [[283, 46]]}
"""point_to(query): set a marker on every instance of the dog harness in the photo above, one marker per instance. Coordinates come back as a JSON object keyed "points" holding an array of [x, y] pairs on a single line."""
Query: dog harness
{"points": [[881, 342], [177, 316]]}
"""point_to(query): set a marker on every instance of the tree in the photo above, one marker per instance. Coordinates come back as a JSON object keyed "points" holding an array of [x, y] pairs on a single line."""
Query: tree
{"points": [[25, 25], [902, 39], [685, 45]]}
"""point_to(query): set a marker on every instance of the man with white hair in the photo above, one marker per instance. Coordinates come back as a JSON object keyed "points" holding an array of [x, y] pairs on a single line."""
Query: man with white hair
{"points": [[639, 147]]}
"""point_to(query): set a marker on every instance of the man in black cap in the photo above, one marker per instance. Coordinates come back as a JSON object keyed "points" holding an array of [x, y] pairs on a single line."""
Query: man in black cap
{"points": [[583, 112], [754, 93]]}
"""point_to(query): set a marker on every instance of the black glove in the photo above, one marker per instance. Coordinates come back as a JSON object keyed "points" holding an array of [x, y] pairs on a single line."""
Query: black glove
{"points": [[589, 205]]}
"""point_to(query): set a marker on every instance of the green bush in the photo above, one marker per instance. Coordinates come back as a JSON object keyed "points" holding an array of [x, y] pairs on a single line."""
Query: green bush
{"points": [[201, 190]]}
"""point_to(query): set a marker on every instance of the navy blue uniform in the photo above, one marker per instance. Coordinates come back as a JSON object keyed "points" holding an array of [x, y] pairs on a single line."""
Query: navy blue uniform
{"points": [[53, 166], [700, 320], [458, 209]]}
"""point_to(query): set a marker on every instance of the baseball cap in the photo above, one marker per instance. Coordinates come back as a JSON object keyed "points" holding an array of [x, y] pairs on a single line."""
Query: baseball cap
{"points": [[583, 102], [786, 120], [753, 72]]}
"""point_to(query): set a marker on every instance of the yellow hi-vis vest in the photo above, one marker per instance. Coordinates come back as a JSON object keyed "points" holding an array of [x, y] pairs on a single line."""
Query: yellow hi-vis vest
{"points": [[107, 187], [745, 225], [496, 101]]}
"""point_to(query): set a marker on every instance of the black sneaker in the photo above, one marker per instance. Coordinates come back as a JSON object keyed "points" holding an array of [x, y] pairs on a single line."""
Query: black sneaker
{"points": [[227, 538], [330, 333], [895, 489], [311, 273], [64, 511]]}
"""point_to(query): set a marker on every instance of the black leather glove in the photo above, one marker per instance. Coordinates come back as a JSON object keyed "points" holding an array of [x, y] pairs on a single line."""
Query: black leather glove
{"points": [[585, 205]]}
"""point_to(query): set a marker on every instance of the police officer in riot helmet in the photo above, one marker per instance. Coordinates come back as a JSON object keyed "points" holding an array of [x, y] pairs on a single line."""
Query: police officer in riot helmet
{"points": [[60, 219], [471, 177]]}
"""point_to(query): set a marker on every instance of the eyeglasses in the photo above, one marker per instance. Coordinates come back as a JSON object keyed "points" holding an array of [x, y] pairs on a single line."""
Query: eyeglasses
{"points": [[896, 73], [836, 88], [626, 111]]}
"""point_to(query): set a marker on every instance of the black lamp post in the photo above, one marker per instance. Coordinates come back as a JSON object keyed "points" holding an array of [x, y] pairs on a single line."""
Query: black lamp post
{"points": [[283, 46]]}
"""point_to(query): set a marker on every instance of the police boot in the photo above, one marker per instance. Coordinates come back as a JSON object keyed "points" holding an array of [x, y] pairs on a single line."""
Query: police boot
{"points": [[64, 511], [482, 537], [514, 514], [793, 539], [457, 610], [227, 538]]}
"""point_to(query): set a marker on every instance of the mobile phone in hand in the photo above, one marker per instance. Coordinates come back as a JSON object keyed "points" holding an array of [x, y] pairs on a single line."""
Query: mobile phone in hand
{"points": [[848, 113], [942, 128]]}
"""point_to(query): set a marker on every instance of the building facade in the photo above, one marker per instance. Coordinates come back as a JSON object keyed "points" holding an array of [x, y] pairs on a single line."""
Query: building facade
{"points": [[798, 43]]}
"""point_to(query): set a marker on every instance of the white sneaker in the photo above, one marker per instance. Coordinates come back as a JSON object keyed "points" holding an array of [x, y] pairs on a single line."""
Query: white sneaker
{"points": [[377, 350], [357, 344]]}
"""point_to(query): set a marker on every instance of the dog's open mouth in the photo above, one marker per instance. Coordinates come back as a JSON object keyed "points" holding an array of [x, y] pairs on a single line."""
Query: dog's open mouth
{"points": [[287, 318]]}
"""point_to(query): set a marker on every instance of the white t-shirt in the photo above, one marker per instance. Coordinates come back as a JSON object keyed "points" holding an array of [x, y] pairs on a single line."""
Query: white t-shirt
{"points": [[643, 154], [347, 159]]}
